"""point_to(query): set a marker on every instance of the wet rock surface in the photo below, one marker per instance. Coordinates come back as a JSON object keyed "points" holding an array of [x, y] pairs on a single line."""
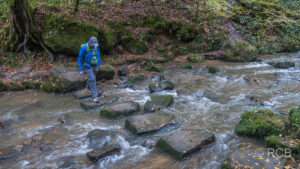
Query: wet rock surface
{"points": [[85, 93], [148, 123], [282, 65], [123, 71], [120, 109], [107, 72], [10, 152], [158, 102], [160, 86], [98, 138], [253, 157], [97, 154], [184, 142], [87, 105]]}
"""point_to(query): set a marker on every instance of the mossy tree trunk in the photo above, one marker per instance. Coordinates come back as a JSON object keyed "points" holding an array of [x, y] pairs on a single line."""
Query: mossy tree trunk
{"points": [[23, 32], [76, 6]]}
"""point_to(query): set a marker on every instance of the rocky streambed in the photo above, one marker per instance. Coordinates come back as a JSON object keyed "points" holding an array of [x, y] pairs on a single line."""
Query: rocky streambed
{"points": [[187, 119]]}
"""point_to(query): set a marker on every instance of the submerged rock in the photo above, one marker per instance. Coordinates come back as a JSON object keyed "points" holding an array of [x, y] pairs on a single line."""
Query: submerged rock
{"points": [[3, 124], [253, 157], [87, 105], [282, 65], [149, 144], [260, 123], [184, 142], [98, 137], [9, 152], [158, 102], [160, 86], [148, 123], [107, 72], [97, 154], [119, 109]]}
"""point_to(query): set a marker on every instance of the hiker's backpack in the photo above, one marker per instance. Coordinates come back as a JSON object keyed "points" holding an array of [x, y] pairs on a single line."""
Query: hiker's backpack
{"points": [[88, 48]]}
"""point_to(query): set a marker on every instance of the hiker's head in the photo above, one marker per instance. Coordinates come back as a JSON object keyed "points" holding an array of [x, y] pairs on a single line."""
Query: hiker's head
{"points": [[93, 41]]}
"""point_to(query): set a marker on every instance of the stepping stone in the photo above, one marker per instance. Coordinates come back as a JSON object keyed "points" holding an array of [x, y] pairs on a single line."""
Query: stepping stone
{"points": [[97, 154], [160, 86], [120, 109], [107, 72], [250, 156], [148, 123], [282, 65], [158, 102], [87, 105], [98, 138], [184, 142], [85, 93]]}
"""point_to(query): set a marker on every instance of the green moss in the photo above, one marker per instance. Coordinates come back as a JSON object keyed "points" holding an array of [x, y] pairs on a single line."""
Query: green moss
{"points": [[107, 40], [283, 65], [278, 142], [152, 67], [136, 78], [239, 51], [196, 58], [177, 51], [107, 72], [186, 33], [213, 69], [226, 165], [135, 44], [186, 66], [2, 86], [108, 114], [260, 123], [274, 25], [294, 118], [65, 36], [58, 84], [20, 85]]}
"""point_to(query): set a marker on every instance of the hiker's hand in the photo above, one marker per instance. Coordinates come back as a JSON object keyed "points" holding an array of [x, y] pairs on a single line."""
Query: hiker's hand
{"points": [[81, 73], [100, 67]]}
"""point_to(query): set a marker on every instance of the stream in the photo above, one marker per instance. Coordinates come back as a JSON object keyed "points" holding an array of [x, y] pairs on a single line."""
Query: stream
{"points": [[202, 100]]}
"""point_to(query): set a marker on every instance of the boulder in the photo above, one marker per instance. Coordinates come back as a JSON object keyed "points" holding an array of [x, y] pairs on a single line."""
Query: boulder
{"points": [[260, 123], [87, 105], [148, 123], [63, 79], [250, 156], [97, 154], [160, 86], [158, 102], [85, 93], [9, 152], [120, 109], [258, 100], [184, 142], [107, 72], [123, 71], [282, 65], [213, 69], [149, 144], [65, 36], [97, 138]]}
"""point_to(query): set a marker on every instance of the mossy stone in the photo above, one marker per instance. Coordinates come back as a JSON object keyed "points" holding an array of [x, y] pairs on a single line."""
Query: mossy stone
{"points": [[153, 67], [106, 72], [260, 123], [120, 109], [65, 36], [196, 58], [164, 85], [213, 69], [282, 65], [294, 118], [239, 51], [186, 66], [284, 142], [136, 78], [158, 102]]}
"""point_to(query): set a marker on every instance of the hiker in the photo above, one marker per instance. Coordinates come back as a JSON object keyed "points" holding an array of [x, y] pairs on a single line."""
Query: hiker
{"points": [[89, 55]]}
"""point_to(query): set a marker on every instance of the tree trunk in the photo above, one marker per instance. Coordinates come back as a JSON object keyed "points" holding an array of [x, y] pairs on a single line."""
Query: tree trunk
{"points": [[24, 32], [76, 6]]}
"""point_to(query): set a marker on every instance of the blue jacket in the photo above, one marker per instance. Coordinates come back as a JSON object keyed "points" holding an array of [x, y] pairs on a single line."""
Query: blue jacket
{"points": [[85, 58]]}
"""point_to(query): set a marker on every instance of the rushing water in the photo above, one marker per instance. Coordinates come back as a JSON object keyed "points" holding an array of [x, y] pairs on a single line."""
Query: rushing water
{"points": [[202, 100]]}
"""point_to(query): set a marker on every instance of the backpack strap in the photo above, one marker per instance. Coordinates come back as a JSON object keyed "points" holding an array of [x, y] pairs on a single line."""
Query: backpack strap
{"points": [[87, 47]]}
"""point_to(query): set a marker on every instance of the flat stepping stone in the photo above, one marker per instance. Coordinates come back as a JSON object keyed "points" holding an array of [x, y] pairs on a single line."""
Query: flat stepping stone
{"points": [[184, 142], [158, 102], [120, 109], [148, 123], [250, 156], [97, 154], [160, 86], [87, 105], [85, 93]]}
